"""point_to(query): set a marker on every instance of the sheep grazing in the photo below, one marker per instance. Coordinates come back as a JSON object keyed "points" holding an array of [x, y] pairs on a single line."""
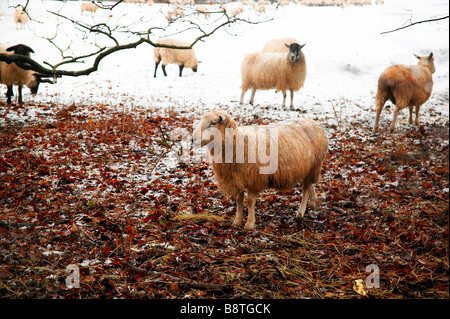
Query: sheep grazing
{"points": [[20, 17], [11, 74], [274, 70], [240, 161], [182, 57], [406, 86], [87, 6]]}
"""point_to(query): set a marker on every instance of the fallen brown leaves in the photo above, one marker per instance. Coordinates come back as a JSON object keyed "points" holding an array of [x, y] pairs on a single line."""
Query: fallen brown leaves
{"points": [[89, 186]]}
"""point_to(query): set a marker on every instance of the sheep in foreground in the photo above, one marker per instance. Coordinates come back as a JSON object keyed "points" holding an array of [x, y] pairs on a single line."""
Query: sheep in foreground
{"points": [[11, 74], [20, 17], [182, 57], [240, 162], [406, 86], [273, 70], [87, 6]]}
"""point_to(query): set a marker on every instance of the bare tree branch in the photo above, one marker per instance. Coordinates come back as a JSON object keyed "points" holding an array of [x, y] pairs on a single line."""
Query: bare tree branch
{"points": [[110, 32], [414, 23]]}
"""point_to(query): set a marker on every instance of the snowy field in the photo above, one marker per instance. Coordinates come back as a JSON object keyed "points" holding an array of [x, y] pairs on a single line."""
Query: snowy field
{"points": [[345, 54]]}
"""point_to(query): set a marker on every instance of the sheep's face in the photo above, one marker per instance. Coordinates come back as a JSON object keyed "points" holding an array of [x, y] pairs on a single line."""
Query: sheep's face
{"points": [[294, 51], [33, 85], [208, 129], [427, 61]]}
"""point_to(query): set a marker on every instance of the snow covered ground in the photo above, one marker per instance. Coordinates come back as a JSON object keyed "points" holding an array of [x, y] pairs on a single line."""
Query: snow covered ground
{"points": [[345, 54]]}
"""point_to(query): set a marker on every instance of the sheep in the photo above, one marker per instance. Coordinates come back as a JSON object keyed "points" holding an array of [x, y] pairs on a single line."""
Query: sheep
{"points": [[283, 2], [87, 6], [171, 15], [268, 70], [20, 17], [11, 74], [405, 86], [203, 10], [260, 9], [298, 149], [182, 57], [235, 11], [278, 45]]}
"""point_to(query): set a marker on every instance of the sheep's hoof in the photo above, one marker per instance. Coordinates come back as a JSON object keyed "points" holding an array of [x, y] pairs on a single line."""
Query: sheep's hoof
{"points": [[237, 222], [299, 215], [249, 225]]}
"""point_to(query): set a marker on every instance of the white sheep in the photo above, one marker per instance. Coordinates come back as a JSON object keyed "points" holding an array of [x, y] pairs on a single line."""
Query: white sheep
{"points": [[235, 11], [87, 6], [283, 2], [11, 74], [171, 15], [272, 70], [203, 10], [406, 86], [20, 17], [239, 158], [182, 57], [260, 9]]}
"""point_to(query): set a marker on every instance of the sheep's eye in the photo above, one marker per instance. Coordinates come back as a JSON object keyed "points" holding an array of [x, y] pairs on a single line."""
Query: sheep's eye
{"points": [[212, 124]]}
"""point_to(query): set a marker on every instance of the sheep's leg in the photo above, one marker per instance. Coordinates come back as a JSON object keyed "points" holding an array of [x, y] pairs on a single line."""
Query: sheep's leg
{"points": [[411, 107], [417, 123], [9, 93], [239, 210], [252, 97], [164, 69], [251, 200], [379, 103], [399, 106], [302, 209], [241, 101], [313, 199], [284, 98], [20, 94], [292, 99], [181, 69], [156, 67]]}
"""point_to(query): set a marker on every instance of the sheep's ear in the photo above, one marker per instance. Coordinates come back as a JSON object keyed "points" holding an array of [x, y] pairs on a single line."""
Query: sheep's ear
{"points": [[302, 45], [287, 45], [221, 119], [417, 56], [13, 48], [430, 56]]}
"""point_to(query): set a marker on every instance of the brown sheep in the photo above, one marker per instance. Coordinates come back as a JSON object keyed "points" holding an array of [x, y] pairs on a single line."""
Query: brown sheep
{"points": [[406, 86], [297, 150]]}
